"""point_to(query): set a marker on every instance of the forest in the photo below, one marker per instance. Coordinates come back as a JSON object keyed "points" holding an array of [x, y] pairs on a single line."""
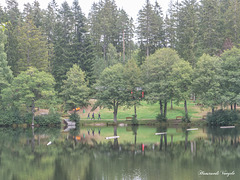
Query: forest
{"points": [[59, 57]]}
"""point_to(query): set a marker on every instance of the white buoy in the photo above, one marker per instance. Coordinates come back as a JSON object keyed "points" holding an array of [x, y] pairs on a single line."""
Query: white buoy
{"points": [[50, 142], [193, 129], [161, 133], [113, 137], [225, 127]]}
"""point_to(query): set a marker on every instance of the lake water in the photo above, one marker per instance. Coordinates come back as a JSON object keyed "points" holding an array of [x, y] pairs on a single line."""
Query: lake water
{"points": [[85, 154]]}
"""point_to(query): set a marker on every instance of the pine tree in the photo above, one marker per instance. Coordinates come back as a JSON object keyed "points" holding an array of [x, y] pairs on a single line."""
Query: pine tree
{"points": [[187, 31], [211, 36], [5, 71], [63, 37], [150, 28], [13, 16], [32, 47]]}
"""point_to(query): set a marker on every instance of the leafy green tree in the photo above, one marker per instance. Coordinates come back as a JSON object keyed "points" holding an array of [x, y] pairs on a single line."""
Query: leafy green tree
{"points": [[75, 89], [157, 71], [111, 89], [182, 82], [134, 83], [30, 88], [206, 81], [230, 76]]}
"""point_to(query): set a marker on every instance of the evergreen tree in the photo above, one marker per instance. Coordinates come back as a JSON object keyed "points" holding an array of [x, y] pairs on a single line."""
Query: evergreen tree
{"points": [[63, 38], [150, 27], [32, 47], [83, 52], [13, 16], [187, 31], [232, 22], [211, 28], [109, 25], [5, 71]]}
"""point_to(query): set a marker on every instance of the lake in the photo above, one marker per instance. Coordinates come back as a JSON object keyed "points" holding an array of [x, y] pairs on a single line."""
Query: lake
{"points": [[86, 154]]}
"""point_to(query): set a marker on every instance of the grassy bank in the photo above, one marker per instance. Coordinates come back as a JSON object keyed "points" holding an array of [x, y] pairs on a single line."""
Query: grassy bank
{"points": [[149, 112]]}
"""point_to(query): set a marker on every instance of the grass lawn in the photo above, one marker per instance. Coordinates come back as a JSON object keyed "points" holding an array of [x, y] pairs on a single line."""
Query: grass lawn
{"points": [[145, 134], [150, 111]]}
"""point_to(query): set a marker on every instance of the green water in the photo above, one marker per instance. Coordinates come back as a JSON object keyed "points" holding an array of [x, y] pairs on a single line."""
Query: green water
{"points": [[80, 154]]}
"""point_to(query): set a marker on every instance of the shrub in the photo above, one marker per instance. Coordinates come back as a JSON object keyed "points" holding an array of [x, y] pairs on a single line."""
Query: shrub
{"points": [[161, 118], [223, 117], [134, 120], [186, 118], [53, 118], [75, 118]]}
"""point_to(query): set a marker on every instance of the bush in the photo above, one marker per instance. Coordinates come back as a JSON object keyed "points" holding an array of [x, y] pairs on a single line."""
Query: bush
{"points": [[11, 116], [186, 118], [161, 118], [223, 117], [134, 120], [75, 118], [53, 118]]}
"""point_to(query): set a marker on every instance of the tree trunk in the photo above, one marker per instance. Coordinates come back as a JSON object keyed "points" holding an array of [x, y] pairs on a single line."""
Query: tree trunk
{"points": [[231, 107], [115, 140], [161, 107], [135, 110], [165, 108], [185, 106], [171, 104], [123, 48], [33, 107], [235, 106], [212, 110], [165, 141], [115, 111]]}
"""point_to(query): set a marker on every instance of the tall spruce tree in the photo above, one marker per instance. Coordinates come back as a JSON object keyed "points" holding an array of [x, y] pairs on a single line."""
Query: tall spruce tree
{"points": [[5, 71], [32, 47], [63, 54], [150, 28], [187, 31], [210, 27], [13, 16]]}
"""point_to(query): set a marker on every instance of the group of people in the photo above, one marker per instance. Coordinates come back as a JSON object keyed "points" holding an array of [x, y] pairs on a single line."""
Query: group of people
{"points": [[99, 116]]}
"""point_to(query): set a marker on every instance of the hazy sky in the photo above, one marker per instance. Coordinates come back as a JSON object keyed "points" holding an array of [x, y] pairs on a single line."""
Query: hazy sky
{"points": [[130, 6]]}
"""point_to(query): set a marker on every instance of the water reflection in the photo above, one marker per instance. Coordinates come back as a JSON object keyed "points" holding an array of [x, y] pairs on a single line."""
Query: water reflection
{"points": [[77, 154]]}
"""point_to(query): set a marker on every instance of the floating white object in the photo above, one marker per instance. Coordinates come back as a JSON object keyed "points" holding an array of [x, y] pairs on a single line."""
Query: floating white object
{"points": [[193, 129], [160, 133], [223, 127], [50, 142], [113, 137]]}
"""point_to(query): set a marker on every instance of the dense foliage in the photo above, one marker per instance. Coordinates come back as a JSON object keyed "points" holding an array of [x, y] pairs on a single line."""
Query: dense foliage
{"points": [[223, 118], [192, 51]]}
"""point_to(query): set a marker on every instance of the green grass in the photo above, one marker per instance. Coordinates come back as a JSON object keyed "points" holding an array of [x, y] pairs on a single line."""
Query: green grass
{"points": [[145, 134], [150, 111]]}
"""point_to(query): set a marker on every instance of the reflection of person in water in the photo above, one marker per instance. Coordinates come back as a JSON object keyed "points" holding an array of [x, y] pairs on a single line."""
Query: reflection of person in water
{"points": [[93, 131], [93, 116], [99, 131], [88, 131]]}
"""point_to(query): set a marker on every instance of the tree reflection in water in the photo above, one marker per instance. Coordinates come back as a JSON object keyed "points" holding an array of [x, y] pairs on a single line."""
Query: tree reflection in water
{"points": [[69, 158]]}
